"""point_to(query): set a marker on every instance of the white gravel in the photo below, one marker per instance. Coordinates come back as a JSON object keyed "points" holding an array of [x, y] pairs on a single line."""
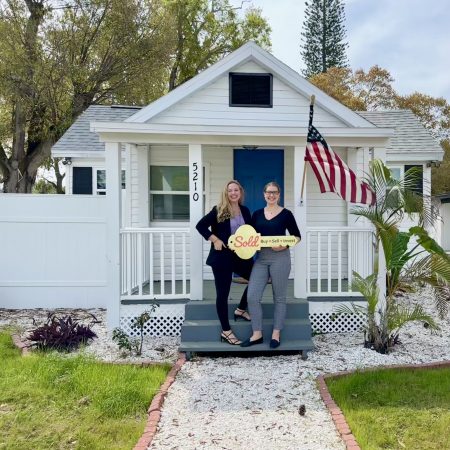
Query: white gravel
{"points": [[252, 403]]}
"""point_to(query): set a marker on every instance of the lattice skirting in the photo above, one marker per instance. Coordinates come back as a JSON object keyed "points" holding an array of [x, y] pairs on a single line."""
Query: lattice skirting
{"points": [[323, 323], [164, 321], [167, 319]]}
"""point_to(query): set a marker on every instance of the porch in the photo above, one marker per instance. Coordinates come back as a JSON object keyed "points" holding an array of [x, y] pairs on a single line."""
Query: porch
{"points": [[156, 267]]}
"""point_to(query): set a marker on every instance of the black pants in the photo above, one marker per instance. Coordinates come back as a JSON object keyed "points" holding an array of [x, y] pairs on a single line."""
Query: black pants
{"points": [[222, 277]]}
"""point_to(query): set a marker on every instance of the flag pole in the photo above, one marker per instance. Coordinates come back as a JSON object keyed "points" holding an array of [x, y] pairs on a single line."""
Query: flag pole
{"points": [[311, 113]]}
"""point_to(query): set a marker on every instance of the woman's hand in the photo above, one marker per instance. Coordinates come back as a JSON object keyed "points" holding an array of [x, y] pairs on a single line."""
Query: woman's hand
{"points": [[218, 244], [279, 248]]}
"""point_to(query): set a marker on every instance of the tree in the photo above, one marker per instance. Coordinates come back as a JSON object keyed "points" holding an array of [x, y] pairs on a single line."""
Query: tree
{"points": [[407, 265], [323, 36], [208, 30], [441, 175], [62, 57], [359, 90], [57, 62]]}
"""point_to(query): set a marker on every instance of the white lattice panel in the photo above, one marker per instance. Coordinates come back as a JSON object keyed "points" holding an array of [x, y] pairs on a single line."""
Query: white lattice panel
{"points": [[323, 323], [164, 321]]}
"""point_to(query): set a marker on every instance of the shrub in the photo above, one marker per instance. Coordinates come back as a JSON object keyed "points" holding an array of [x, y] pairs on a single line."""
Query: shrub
{"points": [[61, 333]]}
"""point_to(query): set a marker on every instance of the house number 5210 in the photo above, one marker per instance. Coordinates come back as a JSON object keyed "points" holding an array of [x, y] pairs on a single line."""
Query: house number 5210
{"points": [[195, 195]]}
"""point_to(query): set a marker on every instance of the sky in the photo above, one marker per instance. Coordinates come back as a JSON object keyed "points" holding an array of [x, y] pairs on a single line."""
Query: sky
{"points": [[409, 38]]}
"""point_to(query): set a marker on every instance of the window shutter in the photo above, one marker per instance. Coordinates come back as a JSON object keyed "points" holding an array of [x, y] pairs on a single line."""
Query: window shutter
{"points": [[251, 90], [82, 180]]}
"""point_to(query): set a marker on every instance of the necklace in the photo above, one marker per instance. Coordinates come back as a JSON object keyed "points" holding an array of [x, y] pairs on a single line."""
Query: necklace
{"points": [[272, 212]]}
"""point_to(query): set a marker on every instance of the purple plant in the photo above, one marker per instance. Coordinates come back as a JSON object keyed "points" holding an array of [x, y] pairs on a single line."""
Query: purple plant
{"points": [[61, 333]]}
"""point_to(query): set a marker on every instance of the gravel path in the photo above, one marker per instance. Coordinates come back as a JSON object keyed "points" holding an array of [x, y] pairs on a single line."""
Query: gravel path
{"points": [[253, 403]]}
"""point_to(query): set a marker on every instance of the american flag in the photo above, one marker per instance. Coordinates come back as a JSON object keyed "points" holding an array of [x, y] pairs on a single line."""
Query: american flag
{"points": [[332, 173]]}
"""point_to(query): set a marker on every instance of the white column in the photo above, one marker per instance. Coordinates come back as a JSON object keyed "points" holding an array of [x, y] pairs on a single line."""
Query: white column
{"points": [[380, 153], [300, 254], [113, 202], [126, 206], [143, 189], [195, 214], [431, 228]]}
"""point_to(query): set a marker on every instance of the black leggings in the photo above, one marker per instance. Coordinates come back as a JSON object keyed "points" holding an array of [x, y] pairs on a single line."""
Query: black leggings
{"points": [[222, 278]]}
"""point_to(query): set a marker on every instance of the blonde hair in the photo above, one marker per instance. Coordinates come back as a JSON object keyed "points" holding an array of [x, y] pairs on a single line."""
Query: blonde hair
{"points": [[224, 210]]}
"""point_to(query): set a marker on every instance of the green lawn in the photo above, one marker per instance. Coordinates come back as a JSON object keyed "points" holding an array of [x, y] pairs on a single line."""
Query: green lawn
{"points": [[53, 402], [396, 409]]}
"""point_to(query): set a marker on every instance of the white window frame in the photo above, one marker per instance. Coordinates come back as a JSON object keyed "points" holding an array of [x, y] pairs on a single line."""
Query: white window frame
{"points": [[170, 223], [97, 191]]}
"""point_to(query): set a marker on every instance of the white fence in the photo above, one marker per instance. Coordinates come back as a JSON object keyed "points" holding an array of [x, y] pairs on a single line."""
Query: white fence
{"points": [[53, 250], [155, 263], [333, 254]]}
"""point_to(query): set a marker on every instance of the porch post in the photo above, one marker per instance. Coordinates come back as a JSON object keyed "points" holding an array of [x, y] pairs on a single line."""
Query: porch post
{"points": [[380, 153], [195, 214], [113, 217], [300, 253]]}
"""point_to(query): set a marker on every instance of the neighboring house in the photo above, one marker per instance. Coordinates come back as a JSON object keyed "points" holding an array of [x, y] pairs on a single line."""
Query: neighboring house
{"points": [[243, 118]]}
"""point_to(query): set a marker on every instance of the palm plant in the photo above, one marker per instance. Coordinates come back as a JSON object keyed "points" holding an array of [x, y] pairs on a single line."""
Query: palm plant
{"points": [[407, 265]]}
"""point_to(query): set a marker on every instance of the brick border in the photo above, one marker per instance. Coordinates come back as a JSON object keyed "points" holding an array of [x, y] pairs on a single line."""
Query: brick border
{"points": [[17, 341], [336, 413], [154, 410]]}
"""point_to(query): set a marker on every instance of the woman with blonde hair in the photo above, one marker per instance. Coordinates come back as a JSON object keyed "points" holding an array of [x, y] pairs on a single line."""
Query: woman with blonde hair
{"points": [[217, 226]]}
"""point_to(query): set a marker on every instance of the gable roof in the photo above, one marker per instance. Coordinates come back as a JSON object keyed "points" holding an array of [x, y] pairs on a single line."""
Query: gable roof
{"points": [[250, 52], [410, 135], [79, 138]]}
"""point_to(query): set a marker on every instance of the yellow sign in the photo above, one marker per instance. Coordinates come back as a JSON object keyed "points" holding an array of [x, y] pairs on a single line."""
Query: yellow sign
{"points": [[246, 241]]}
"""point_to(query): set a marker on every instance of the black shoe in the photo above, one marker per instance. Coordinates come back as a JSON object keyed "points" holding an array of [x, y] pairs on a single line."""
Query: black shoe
{"points": [[241, 315], [232, 340], [274, 343], [249, 343]]}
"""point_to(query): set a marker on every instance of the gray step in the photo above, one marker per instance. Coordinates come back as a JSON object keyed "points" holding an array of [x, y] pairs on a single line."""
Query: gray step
{"points": [[206, 309], [209, 330], [216, 346]]}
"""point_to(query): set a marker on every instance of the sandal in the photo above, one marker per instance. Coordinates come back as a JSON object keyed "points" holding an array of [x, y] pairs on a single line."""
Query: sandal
{"points": [[230, 338], [241, 314]]}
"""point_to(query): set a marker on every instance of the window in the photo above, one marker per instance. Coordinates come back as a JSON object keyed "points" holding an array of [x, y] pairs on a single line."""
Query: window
{"points": [[251, 89], [399, 172], [169, 193], [100, 181]]}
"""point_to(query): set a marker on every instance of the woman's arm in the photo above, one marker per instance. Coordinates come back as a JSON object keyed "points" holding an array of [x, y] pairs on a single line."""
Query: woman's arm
{"points": [[205, 223]]}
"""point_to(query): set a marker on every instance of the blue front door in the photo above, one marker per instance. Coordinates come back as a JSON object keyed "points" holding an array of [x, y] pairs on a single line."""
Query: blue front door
{"points": [[254, 169]]}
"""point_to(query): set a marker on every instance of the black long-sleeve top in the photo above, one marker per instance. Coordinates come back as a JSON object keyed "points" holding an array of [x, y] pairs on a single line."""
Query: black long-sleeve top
{"points": [[276, 226]]}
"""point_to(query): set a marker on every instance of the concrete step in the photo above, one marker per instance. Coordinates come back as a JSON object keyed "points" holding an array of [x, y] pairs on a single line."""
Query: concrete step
{"points": [[304, 345], [209, 330], [206, 309]]}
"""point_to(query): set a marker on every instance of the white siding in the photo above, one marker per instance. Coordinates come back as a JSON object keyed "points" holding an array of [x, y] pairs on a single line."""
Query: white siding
{"points": [[210, 106]]}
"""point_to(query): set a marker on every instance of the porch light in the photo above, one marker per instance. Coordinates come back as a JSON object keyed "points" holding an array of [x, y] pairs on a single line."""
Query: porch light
{"points": [[67, 161]]}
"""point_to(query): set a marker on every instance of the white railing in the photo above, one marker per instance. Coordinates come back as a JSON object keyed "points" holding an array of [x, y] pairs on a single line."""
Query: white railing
{"points": [[332, 256], [154, 263]]}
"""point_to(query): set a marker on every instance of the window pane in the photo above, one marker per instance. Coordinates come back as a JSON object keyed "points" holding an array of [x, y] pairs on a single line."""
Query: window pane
{"points": [[170, 207], [101, 179], [169, 178], [396, 173]]}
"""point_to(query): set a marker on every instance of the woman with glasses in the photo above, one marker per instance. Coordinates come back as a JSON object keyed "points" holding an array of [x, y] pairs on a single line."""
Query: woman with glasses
{"points": [[217, 226], [274, 263]]}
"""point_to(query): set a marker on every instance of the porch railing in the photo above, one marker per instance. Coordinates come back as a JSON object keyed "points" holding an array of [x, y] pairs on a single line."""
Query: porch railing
{"points": [[155, 263], [333, 253]]}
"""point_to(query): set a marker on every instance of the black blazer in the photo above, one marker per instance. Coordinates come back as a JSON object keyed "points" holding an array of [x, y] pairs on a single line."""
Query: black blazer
{"points": [[208, 225]]}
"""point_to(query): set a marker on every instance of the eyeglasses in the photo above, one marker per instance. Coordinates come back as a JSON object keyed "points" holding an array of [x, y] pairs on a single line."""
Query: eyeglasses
{"points": [[271, 192]]}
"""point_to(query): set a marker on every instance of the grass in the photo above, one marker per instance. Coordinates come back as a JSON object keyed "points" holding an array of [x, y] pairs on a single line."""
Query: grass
{"points": [[396, 409], [49, 401]]}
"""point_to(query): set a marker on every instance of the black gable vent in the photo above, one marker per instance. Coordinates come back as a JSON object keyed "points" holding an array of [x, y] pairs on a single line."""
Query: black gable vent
{"points": [[251, 90]]}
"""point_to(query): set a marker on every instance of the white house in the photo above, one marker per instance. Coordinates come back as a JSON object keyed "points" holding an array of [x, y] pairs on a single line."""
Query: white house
{"points": [[164, 165]]}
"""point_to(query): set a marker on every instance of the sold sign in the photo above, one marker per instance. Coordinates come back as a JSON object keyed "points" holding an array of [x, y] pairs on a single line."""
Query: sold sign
{"points": [[246, 241]]}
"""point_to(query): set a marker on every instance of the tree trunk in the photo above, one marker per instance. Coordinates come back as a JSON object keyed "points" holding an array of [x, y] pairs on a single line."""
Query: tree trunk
{"points": [[21, 167]]}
